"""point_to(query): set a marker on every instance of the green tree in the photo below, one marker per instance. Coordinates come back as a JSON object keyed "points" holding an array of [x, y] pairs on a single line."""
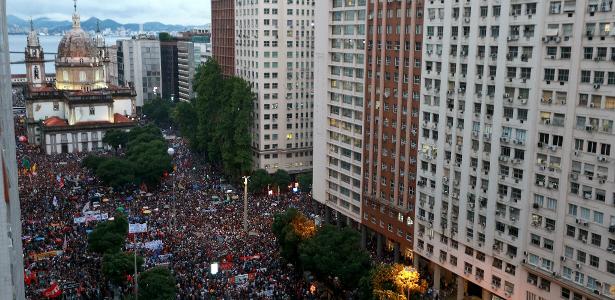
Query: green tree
{"points": [[164, 37], [109, 236], [281, 179], [116, 172], [158, 111], [291, 228], [224, 118], [208, 84], [305, 181], [116, 266], [152, 161], [335, 253], [92, 162], [259, 180], [115, 138], [157, 284], [185, 117]]}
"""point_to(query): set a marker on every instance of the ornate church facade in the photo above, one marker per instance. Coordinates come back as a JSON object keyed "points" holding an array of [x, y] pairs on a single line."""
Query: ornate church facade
{"points": [[73, 113]]}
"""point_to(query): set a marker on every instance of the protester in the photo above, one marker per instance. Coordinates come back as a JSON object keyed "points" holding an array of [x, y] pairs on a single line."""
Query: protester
{"points": [[192, 222]]}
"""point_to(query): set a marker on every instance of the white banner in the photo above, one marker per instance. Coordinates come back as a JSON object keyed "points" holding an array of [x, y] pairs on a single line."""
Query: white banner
{"points": [[137, 228], [90, 218]]}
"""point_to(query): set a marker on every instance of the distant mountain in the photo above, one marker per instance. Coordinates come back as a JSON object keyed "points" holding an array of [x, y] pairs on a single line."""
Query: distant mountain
{"points": [[18, 25]]}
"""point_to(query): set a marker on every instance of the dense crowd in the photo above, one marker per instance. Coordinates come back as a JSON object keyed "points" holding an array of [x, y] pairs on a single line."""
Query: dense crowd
{"points": [[193, 220]]}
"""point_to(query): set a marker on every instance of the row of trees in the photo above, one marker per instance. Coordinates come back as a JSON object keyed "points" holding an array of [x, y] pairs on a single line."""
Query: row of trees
{"points": [[107, 240], [144, 160], [335, 258], [218, 122]]}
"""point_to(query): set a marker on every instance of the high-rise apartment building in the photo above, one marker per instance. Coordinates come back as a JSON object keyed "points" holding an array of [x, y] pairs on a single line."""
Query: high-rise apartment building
{"points": [[394, 41], [223, 34], [274, 52], [515, 187], [11, 255], [139, 65], [187, 68], [338, 111]]}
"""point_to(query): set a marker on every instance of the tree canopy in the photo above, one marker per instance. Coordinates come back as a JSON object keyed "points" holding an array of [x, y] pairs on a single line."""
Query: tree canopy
{"points": [[281, 179], [145, 159], [109, 236], [157, 284], [117, 266], [291, 228], [159, 111], [218, 122], [305, 181], [335, 253]]}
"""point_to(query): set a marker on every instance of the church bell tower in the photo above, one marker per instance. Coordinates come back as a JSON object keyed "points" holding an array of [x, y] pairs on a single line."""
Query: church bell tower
{"points": [[35, 59]]}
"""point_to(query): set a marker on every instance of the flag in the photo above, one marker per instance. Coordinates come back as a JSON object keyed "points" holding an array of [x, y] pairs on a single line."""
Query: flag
{"points": [[53, 291]]}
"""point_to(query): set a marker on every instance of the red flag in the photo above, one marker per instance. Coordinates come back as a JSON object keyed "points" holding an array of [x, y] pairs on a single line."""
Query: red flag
{"points": [[53, 291]]}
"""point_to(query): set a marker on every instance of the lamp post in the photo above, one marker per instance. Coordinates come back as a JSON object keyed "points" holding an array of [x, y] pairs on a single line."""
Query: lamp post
{"points": [[245, 203]]}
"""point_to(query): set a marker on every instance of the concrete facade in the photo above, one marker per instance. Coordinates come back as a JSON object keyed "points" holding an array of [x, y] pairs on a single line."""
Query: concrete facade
{"points": [[274, 52], [338, 105], [139, 64], [11, 255], [515, 186]]}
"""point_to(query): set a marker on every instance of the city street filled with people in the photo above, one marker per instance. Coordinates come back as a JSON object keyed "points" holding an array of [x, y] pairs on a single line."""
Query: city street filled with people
{"points": [[194, 219]]}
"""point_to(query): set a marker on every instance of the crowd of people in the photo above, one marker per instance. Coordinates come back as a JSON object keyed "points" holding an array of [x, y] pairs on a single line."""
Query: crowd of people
{"points": [[194, 219]]}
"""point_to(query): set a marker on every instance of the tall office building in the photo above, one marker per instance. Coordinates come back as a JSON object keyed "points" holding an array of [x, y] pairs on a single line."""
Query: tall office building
{"points": [[338, 110], [186, 68], [515, 187], [394, 41], [139, 65], [169, 69], [223, 34], [11, 257], [274, 52]]}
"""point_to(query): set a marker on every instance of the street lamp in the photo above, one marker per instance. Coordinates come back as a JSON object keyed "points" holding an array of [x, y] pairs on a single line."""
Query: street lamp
{"points": [[245, 203]]}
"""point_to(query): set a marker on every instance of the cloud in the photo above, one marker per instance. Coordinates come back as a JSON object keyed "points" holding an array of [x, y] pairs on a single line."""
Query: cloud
{"points": [[181, 12]]}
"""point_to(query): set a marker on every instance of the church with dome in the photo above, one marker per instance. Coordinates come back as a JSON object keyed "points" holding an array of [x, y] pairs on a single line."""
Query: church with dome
{"points": [[73, 113]]}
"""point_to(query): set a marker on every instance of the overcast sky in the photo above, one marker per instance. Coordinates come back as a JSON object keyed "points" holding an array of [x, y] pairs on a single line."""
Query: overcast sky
{"points": [[180, 12]]}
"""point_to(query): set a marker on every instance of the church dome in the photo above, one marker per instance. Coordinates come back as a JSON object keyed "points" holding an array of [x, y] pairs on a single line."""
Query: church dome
{"points": [[76, 43]]}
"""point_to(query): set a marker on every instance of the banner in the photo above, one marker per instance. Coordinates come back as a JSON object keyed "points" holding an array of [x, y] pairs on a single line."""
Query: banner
{"points": [[151, 245], [246, 258], [90, 218], [241, 279], [43, 255], [137, 228]]}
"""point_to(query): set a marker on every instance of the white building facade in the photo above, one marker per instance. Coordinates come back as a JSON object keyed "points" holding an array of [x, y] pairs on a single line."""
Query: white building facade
{"points": [[139, 65], [516, 171], [11, 253], [339, 104], [274, 48]]}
